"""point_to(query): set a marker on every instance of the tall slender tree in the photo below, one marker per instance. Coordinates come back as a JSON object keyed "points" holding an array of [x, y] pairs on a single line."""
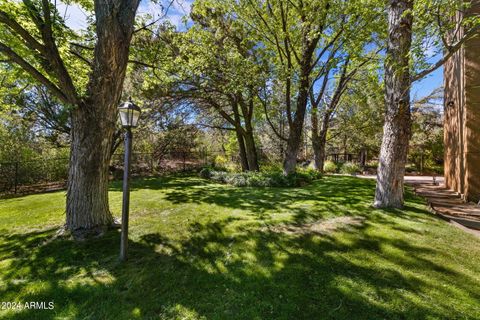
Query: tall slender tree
{"points": [[299, 36], [396, 131]]}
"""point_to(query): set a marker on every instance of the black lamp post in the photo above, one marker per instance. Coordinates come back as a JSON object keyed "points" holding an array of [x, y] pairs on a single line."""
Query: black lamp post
{"points": [[129, 114]]}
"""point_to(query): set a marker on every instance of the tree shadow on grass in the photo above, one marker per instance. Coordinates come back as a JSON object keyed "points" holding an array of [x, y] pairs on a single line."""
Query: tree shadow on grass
{"points": [[260, 201], [330, 196], [175, 181], [307, 204], [236, 269], [252, 273]]}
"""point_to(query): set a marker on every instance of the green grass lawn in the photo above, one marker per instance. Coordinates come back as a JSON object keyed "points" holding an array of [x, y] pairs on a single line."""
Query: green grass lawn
{"points": [[206, 251]]}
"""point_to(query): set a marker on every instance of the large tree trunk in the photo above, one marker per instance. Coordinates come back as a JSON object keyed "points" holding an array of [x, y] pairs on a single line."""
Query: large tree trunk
{"points": [[240, 135], [397, 128], [293, 145], [87, 195], [249, 137], [247, 130], [241, 150], [318, 155], [319, 138], [251, 150], [319, 144], [95, 117]]}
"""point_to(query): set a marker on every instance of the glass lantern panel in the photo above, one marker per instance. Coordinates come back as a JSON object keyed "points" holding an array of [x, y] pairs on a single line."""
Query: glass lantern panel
{"points": [[125, 117], [135, 115]]}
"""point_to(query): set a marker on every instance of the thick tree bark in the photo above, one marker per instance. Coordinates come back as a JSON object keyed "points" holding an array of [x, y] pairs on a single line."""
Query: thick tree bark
{"points": [[293, 145], [93, 120], [319, 137], [240, 135], [363, 158], [247, 112], [397, 128], [241, 150], [318, 155], [87, 195], [251, 151], [245, 135], [318, 145]]}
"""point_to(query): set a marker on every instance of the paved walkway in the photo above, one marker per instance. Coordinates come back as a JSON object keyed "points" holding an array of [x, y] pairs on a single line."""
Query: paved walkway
{"points": [[446, 203], [412, 180]]}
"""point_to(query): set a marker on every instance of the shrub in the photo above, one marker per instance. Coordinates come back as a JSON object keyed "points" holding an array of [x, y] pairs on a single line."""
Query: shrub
{"points": [[219, 176], [271, 167], [220, 161], [205, 173], [372, 163], [256, 179], [349, 168], [265, 179], [274, 179], [329, 167], [308, 174], [233, 167], [236, 179]]}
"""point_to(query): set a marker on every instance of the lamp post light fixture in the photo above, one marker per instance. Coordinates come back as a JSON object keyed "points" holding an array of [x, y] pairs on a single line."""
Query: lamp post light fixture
{"points": [[128, 114]]}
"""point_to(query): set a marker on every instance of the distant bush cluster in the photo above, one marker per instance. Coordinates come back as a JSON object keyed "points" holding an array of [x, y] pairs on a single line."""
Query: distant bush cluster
{"points": [[344, 168], [349, 168], [330, 167], [261, 179]]}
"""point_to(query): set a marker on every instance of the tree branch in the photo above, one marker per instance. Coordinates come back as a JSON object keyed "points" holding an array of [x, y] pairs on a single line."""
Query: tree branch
{"points": [[82, 46], [264, 103], [53, 54], [450, 52], [145, 27], [213, 127], [33, 72], [78, 55], [143, 64], [30, 41]]}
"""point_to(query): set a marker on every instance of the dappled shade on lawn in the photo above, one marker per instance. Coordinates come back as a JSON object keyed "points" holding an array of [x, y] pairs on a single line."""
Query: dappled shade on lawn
{"points": [[202, 250]]}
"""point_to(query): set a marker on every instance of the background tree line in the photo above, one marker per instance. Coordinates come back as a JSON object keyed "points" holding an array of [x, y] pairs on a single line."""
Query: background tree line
{"points": [[263, 77]]}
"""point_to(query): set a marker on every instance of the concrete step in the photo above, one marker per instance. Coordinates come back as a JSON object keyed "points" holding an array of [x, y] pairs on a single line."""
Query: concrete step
{"points": [[450, 206]]}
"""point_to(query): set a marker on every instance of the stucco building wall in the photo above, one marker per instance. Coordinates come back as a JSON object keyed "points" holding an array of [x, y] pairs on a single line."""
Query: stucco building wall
{"points": [[462, 118]]}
